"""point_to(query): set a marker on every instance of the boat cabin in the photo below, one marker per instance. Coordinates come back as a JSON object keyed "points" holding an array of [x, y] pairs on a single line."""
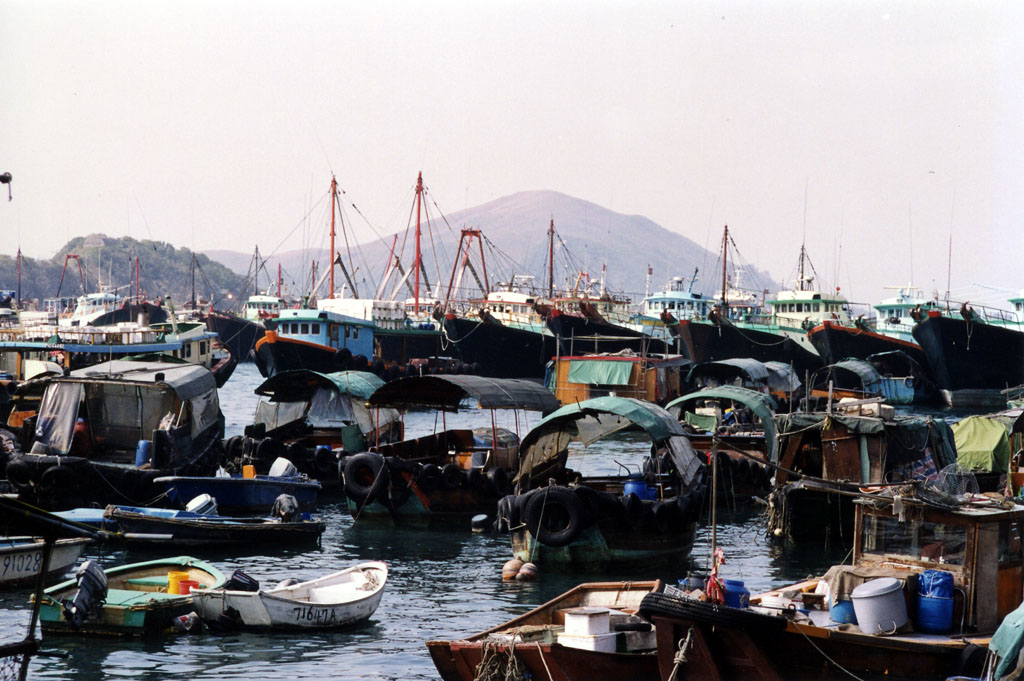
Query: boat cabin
{"points": [[979, 543], [324, 328], [655, 378]]}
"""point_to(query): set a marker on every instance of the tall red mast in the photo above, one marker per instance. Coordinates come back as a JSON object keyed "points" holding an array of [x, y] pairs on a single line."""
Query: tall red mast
{"points": [[334, 197], [419, 257], [551, 259], [279, 279]]}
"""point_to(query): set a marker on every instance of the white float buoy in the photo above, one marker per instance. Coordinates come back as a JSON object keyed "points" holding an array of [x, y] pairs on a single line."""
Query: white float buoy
{"points": [[527, 573], [511, 569]]}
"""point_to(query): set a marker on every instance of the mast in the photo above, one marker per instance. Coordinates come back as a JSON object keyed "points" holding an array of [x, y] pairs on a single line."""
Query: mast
{"points": [[334, 197], [725, 257], [551, 259], [802, 282], [279, 279], [419, 257], [193, 282], [138, 294], [19, 277]]}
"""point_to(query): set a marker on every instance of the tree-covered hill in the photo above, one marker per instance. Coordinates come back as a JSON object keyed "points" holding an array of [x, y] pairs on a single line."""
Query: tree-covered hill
{"points": [[110, 262]]}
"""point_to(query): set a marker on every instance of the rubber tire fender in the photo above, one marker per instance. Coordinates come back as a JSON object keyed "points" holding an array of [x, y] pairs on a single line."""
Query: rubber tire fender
{"points": [[451, 475], [666, 516], [267, 450], [475, 479], [498, 477], [325, 462], [360, 467], [19, 474], [545, 504], [55, 482], [634, 510], [233, 448], [429, 478]]}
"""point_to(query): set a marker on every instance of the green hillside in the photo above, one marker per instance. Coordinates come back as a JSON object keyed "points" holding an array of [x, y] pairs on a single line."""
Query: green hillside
{"points": [[163, 270]]}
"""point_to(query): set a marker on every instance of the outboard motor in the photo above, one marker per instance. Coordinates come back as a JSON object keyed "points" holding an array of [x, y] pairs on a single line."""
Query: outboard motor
{"points": [[285, 509], [92, 592]]}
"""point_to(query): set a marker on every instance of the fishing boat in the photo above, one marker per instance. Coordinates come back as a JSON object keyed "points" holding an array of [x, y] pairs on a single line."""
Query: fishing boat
{"points": [[975, 354], [240, 494], [311, 417], [654, 378], [333, 601], [557, 640], [738, 425], [104, 433], [157, 526], [313, 339], [929, 582], [21, 559], [824, 458], [563, 521], [453, 473], [139, 599]]}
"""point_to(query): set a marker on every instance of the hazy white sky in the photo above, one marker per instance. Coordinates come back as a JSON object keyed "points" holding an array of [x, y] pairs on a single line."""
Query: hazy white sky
{"points": [[217, 124]]}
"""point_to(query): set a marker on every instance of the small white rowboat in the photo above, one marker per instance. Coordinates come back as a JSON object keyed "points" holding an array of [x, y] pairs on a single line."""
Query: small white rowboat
{"points": [[21, 559], [335, 600]]}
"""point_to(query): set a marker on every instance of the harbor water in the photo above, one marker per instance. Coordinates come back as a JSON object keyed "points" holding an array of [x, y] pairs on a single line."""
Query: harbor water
{"points": [[443, 583]]}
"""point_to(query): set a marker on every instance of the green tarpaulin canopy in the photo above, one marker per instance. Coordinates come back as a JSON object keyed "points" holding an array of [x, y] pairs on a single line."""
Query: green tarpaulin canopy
{"points": [[982, 444], [599, 371]]}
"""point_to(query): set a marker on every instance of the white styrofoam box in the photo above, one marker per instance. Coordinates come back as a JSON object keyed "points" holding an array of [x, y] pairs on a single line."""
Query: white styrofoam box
{"points": [[586, 621], [602, 643]]}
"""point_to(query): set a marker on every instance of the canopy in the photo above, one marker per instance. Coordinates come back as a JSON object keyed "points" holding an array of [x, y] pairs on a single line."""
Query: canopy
{"points": [[448, 392], [599, 371], [752, 369], [861, 370], [781, 377], [763, 406], [593, 419], [982, 444], [301, 384], [186, 380]]}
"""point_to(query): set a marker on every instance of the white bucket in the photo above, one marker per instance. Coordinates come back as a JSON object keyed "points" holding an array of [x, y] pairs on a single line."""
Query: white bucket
{"points": [[879, 606]]}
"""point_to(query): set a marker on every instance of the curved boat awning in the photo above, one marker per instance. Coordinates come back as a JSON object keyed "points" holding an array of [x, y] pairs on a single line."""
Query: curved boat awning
{"points": [[301, 384], [860, 369], [781, 377], [593, 419], [751, 369], [448, 391], [761, 404]]}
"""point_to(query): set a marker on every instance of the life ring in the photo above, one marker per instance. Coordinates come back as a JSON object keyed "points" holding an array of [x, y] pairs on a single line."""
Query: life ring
{"points": [[451, 475], [429, 477], [555, 516], [498, 477], [19, 474], [366, 477], [325, 461]]}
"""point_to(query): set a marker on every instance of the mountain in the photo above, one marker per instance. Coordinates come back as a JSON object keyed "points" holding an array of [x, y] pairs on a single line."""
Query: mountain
{"points": [[109, 261], [514, 230]]}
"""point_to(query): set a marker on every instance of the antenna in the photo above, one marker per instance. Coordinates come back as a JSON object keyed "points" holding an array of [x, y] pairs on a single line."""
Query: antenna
{"points": [[910, 237]]}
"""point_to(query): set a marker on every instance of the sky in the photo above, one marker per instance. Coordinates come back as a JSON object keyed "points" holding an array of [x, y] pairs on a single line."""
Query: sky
{"points": [[888, 136]]}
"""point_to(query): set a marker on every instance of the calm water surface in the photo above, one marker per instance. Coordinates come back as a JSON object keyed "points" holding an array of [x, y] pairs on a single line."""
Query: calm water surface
{"points": [[442, 584]]}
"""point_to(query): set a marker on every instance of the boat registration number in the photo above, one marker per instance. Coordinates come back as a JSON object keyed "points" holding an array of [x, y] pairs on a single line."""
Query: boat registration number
{"points": [[313, 615], [20, 564]]}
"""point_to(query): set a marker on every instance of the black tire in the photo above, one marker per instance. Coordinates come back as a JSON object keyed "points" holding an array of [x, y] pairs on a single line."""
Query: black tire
{"points": [[429, 478], [366, 478], [451, 475], [342, 359], [55, 483], [399, 491], [233, 448], [666, 516], [19, 474], [700, 612], [555, 516], [634, 510], [685, 506], [500, 483], [475, 479], [267, 450], [591, 500], [507, 516], [325, 463]]}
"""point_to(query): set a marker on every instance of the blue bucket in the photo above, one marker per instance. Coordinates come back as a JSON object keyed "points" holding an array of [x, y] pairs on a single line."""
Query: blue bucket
{"points": [[935, 602], [842, 612], [142, 452], [736, 594], [935, 584], [637, 487]]}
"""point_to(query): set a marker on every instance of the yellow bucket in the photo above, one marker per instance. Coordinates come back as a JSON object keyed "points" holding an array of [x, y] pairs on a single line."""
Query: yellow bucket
{"points": [[248, 471], [173, 579]]}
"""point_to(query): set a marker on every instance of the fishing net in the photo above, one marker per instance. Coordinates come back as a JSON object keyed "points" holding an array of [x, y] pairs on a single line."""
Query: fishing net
{"points": [[956, 481], [14, 658]]}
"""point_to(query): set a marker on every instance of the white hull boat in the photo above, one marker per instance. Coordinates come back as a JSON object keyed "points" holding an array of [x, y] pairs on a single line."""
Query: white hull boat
{"points": [[21, 559], [335, 600]]}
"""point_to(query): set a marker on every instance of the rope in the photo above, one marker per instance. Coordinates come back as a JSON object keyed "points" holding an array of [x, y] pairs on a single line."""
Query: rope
{"points": [[680, 657], [825, 655], [541, 652]]}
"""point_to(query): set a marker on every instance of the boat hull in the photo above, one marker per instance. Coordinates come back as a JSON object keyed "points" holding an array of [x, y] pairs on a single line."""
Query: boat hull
{"points": [[254, 534], [241, 495], [578, 335], [21, 561], [238, 335], [318, 604], [835, 342], [458, 660], [728, 643], [500, 351], [706, 342], [966, 355]]}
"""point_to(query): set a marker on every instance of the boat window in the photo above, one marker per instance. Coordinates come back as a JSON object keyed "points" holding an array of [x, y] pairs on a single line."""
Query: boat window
{"points": [[305, 329], [332, 332], [276, 414], [316, 329], [355, 334], [188, 350], [202, 347], [915, 539], [348, 332]]}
